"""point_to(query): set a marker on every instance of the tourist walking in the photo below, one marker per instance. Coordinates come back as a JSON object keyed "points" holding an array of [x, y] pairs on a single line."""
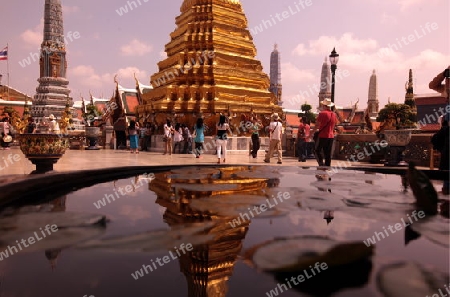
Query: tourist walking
{"points": [[120, 126], [5, 130], [133, 132], [325, 123], [177, 138], [167, 137], [147, 141], [303, 137], [256, 142], [187, 139], [276, 131], [199, 137], [221, 138]]}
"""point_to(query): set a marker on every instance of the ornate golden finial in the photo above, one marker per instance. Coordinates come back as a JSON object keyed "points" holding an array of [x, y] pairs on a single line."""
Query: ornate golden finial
{"points": [[92, 97], [137, 81], [83, 106]]}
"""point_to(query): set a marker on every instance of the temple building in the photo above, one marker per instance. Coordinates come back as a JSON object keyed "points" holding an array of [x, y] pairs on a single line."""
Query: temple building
{"points": [[210, 68], [275, 74], [52, 93], [13, 99], [325, 81], [373, 105]]}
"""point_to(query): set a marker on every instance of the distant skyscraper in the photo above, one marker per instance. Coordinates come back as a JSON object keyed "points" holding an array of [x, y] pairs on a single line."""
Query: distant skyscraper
{"points": [[409, 87], [52, 93], [275, 74], [373, 105], [325, 81]]}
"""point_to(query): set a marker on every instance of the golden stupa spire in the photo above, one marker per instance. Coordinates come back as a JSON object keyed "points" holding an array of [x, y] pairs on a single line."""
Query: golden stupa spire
{"points": [[210, 68]]}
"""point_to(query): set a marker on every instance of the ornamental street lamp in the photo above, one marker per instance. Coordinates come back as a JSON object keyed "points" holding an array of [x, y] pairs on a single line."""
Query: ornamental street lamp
{"points": [[334, 58], [1, 89]]}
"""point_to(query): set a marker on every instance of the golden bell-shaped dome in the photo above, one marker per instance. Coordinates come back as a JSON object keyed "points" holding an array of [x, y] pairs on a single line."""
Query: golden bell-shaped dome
{"points": [[189, 3]]}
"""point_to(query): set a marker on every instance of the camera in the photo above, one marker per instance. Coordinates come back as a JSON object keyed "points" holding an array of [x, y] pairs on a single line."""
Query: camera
{"points": [[447, 73]]}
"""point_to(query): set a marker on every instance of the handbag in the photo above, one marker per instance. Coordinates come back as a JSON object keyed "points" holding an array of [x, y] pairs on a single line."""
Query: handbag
{"points": [[316, 134], [165, 138], [7, 138]]}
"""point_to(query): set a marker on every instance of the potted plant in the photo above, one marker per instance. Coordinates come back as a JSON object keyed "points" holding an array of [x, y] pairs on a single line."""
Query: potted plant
{"points": [[397, 123], [92, 132]]}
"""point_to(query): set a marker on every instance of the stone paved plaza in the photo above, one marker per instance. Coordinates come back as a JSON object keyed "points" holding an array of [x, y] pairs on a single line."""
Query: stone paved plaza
{"points": [[106, 158]]}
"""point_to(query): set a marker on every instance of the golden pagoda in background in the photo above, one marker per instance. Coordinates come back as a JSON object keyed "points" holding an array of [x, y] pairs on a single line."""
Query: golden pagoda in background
{"points": [[210, 68]]}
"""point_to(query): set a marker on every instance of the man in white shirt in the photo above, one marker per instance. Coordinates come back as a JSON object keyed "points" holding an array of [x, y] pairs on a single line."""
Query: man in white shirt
{"points": [[276, 131]]}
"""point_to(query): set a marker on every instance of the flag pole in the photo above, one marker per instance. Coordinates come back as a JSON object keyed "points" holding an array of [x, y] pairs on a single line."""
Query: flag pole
{"points": [[7, 67]]}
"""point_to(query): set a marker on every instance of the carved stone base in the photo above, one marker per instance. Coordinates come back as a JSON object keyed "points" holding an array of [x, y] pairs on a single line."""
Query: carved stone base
{"points": [[92, 144], [43, 164], [395, 156]]}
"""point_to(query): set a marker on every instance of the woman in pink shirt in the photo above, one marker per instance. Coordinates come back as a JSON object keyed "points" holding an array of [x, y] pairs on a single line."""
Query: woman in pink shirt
{"points": [[303, 136]]}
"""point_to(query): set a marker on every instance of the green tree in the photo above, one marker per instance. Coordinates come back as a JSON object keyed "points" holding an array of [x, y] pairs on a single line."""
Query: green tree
{"points": [[92, 113], [306, 108], [403, 114]]}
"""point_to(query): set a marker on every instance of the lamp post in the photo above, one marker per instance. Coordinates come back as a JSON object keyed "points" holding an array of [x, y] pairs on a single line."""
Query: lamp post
{"points": [[1, 89], [334, 58]]}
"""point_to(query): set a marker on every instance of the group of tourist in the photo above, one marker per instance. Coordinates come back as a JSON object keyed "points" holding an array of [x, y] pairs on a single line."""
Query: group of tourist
{"points": [[322, 136], [178, 137]]}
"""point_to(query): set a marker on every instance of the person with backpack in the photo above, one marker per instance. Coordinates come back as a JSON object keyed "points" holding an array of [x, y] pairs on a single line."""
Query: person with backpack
{"points": [[199, 137], [303, 133], [440, 141], [276, 134]]}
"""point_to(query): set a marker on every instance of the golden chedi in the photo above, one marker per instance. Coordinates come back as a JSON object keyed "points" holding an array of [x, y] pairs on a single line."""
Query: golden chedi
{"points": [[210, 69]]}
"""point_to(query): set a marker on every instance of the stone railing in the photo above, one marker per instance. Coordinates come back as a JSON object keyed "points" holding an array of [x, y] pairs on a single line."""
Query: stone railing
{"points": [[235, 145], [418, 150]]}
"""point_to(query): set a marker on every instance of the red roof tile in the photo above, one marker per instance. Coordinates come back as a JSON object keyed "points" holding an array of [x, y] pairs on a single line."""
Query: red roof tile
{"points": [[292, 120], [130, 104], [431, 100]]}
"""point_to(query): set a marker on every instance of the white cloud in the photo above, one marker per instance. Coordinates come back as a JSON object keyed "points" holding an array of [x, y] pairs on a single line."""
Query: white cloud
{"points": [[290, 73], [33, 37], [70, 9], [405, 4], [134, 213], [136, 48], [162, 55], [130, 71], [88, 77], [324, 44], [387, 19], [365, 54]]}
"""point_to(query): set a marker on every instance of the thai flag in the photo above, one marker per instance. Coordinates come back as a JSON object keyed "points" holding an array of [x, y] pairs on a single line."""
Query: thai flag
{"points": [[4, 54]]}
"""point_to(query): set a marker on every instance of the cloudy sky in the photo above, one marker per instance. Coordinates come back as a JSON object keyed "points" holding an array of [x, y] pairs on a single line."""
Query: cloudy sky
{"points": [[390, 36]]}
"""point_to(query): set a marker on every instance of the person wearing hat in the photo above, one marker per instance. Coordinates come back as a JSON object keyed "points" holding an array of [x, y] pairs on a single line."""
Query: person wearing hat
{"points": [[53, 125], [5, 132], [325, 123], [276, 131]]}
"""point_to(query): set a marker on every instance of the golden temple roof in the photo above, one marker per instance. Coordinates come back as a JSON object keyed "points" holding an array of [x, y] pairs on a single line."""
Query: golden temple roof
{"points": [[211, 67]]}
